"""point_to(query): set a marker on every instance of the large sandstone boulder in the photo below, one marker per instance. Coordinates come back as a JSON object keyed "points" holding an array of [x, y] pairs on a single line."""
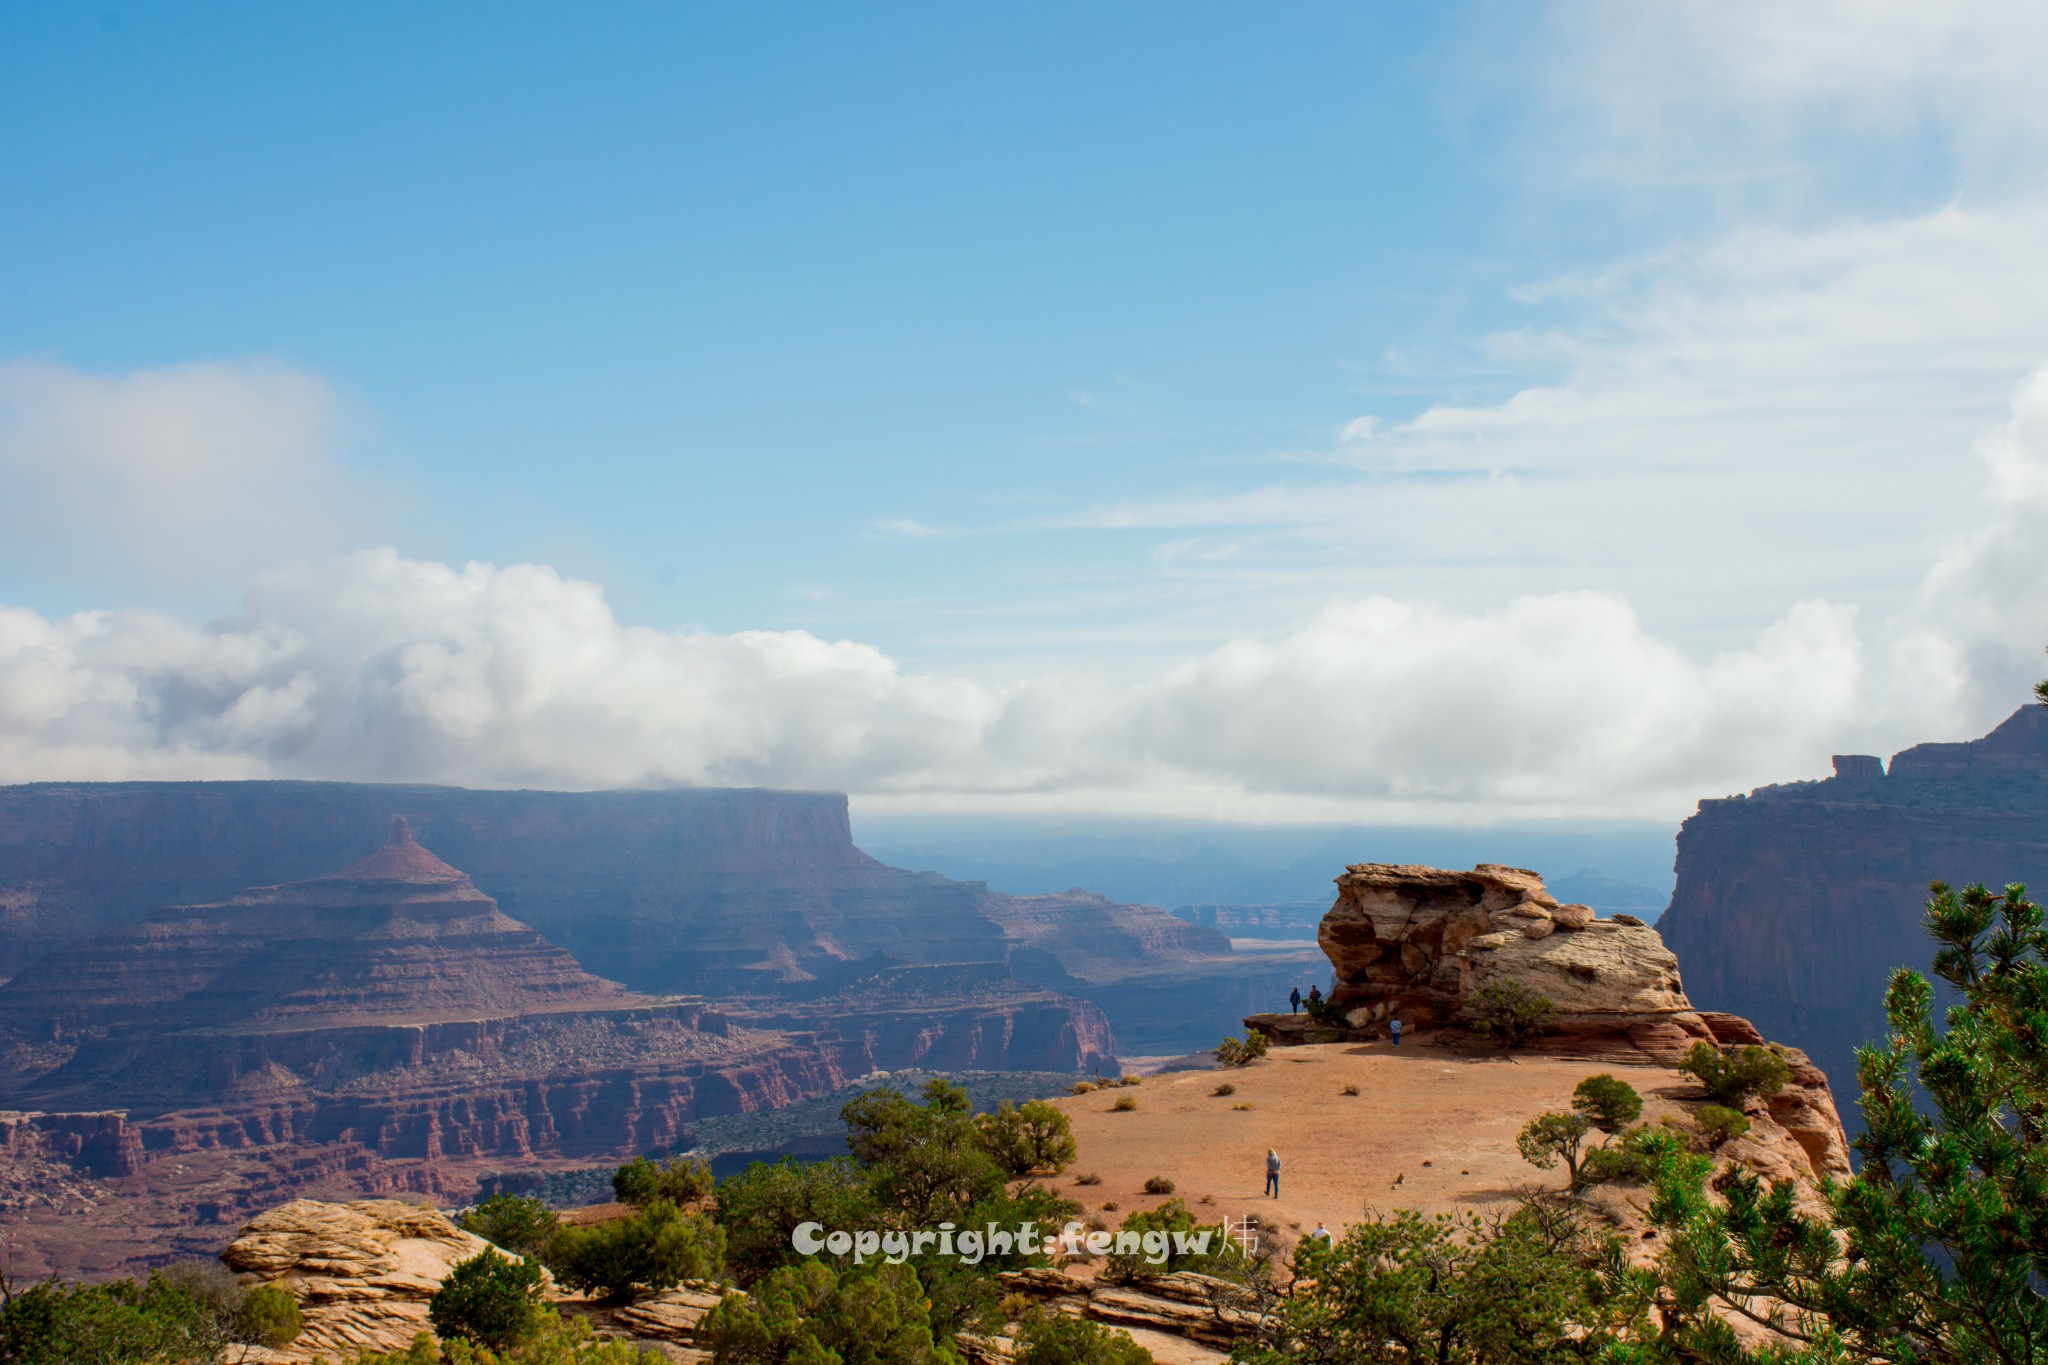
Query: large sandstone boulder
{"points": [[362, 1271], [1422, 941]]}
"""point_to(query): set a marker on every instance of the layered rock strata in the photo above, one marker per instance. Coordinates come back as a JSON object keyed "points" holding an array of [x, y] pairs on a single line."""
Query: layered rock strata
{"points": [[964, 1017], [1796, 902], [389, 1028], [1423, 941], [362, 1272], [398, 936], [720, 893]]}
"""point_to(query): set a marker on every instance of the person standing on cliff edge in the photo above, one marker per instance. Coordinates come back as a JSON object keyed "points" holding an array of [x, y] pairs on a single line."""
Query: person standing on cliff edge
{"points": [[1273, 1172], [1294, 1000]]}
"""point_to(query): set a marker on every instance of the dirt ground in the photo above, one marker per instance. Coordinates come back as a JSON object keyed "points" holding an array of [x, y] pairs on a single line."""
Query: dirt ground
{"points": [[1432, 1128]]}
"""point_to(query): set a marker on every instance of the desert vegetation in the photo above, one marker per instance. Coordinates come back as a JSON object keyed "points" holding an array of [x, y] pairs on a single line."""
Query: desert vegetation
{"points": [[1931, 1253], [1510, 1013], [1242, 1051], [194, 1311]]}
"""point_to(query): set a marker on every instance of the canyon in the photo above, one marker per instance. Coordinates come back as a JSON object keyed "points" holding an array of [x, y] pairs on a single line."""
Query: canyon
{"points": [[390, 1027], [723, 893], [1795, 902]]}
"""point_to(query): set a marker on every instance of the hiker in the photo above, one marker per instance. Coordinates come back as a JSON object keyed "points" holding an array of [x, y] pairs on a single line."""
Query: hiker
{"points": [[1322, 1232], [1394, 1027], [1272, 1173], [1315, 997], [1294, 1000]]}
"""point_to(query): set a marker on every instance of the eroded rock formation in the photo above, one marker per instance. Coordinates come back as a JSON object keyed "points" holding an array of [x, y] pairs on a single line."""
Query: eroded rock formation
{"points": [[362, 1271], [389, 1028], [721, 893], [1795, 903], [1422, 942]]}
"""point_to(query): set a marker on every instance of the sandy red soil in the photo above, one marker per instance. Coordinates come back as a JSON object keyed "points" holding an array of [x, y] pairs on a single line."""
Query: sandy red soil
{"points": [[1432, 1128]]}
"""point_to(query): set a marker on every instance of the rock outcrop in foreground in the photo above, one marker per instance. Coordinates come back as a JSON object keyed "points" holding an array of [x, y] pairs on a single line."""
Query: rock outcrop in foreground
{"points": [[362, 1272], [1422, 942]]}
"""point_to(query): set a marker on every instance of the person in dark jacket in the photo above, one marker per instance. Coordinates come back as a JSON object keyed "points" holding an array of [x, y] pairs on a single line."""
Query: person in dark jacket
{"points": [[1294, 1000]]}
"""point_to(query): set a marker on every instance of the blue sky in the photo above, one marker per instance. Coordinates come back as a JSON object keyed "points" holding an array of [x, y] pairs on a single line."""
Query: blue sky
{"points": [[1253, 412]]}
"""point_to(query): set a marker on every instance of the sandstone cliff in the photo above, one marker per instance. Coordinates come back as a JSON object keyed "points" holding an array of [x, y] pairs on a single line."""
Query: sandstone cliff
{"points": [[1795, 903]]}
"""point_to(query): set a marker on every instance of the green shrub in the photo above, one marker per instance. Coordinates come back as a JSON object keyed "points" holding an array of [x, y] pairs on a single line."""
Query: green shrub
{"points": [[759, 1206], [1718, 1123], [1412, 1287], [269, 1316], [640, 1182], [1509, 1012], [516, 1222], [489, 1299], [192, 1311], [805, 1314], [1033, 1139], [1243, 1051], [1636, 1158], [1553, 1137], [656, 1249], [1169, 1218], [1736, 1078], [1056, 1339], [1608, 1103], [1158, 1184], [924, 1160]]}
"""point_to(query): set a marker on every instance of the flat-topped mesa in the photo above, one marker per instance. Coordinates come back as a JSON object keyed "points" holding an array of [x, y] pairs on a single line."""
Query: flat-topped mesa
{"points": [[1423, 941]]}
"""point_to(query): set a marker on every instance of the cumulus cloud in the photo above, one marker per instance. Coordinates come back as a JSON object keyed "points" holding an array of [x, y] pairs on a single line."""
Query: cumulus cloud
{"points": [[376, 666], [198, 473], [1972, 639]]}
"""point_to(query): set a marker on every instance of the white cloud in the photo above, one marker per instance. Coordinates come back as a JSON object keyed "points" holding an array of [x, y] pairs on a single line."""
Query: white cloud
{"points": [[196, 473], [1972, 639], [374, 666], [1756, 103], [1726, 430]]}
